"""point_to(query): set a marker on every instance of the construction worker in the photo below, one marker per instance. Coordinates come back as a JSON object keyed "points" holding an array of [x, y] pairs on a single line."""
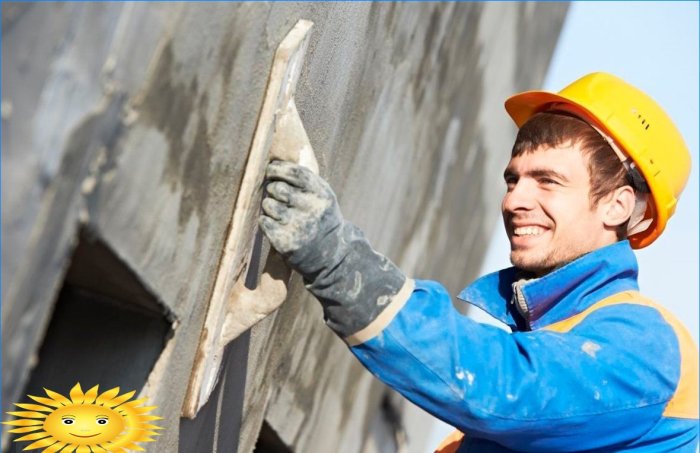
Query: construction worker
{"points": [[591, 364]]}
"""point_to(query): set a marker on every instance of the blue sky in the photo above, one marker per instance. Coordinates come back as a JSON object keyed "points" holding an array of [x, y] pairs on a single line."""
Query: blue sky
{"points": [[654, 46]]}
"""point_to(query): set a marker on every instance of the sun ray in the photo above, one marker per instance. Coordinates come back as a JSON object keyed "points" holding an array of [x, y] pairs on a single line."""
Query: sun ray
{"points": [[107, 396], [41, 443], [147, 426], [26, 429], [116, 401], [23, 422], [135, 403], [34, 407], [91, 395], [47, 401], [54, 448], [27, 414], [58, 397], [34, 436], [76, 394], [151, 417], [144, 409]]}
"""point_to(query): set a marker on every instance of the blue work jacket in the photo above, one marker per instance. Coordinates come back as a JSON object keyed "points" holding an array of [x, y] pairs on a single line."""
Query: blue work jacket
{"points": [[590, 365]]}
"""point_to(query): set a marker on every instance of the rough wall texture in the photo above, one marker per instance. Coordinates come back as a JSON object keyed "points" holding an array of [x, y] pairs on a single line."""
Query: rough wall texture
{"points": [[126, 128]]}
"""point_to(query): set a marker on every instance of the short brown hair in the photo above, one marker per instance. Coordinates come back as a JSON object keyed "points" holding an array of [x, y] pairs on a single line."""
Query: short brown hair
{"points": [[553, 129]]}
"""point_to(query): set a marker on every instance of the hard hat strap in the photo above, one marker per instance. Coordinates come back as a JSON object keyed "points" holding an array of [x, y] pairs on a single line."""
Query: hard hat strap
{"points": [[637, 222]]}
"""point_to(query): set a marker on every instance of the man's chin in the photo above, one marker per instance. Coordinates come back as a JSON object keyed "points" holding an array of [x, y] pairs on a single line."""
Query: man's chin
{"points": [[536, 268], [539, 267]]}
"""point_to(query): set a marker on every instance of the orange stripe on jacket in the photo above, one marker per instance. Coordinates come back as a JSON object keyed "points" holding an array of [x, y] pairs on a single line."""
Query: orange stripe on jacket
{"points": [[684, 403], [451, 443]]}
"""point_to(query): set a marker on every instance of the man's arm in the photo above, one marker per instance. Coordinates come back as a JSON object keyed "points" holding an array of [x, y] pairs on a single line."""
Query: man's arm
{"points": [[530, 391]]}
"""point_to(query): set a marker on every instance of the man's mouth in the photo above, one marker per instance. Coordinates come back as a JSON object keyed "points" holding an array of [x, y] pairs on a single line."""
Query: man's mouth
{"points": [[78, 435], [528, 231]]}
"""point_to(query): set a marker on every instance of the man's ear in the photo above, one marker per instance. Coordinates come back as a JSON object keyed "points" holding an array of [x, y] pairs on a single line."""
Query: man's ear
{"points": [[617, 207]]}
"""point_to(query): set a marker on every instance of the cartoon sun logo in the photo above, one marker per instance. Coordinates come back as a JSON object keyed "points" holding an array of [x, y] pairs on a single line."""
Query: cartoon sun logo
{"points": [[85, 423]]}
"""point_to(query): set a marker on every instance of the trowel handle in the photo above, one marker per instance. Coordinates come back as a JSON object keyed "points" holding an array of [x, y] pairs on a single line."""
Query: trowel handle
{"points": [[247, 307], [250, 306]]}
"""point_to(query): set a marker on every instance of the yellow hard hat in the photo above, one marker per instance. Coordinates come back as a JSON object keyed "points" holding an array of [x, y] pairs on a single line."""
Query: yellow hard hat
{"points": [[637, 125]]}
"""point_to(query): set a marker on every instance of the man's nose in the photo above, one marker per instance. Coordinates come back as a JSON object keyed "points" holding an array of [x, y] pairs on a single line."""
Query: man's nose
{"points": [[518, 197]]}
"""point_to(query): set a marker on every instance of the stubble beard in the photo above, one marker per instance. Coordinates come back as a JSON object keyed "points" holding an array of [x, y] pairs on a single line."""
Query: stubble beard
{"points": [[547, 261]]}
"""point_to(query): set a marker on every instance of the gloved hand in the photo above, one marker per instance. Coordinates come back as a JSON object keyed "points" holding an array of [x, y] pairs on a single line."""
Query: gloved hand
{"points": [[302, 220], [299, 210]]}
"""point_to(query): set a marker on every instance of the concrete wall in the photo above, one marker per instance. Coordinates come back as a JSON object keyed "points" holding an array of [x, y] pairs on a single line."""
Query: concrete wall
{"points": [[126, 128]]}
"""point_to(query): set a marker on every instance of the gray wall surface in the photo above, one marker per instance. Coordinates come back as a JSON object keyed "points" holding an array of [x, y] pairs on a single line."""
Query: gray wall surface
{"points": [[125, 131]]}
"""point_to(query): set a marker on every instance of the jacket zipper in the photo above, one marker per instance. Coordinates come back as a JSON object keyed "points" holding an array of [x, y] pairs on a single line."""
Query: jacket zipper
{"points": [[519, 301]]}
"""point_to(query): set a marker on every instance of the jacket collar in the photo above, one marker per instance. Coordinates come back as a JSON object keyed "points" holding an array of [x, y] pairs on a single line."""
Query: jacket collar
{"points": [[558, 295]]}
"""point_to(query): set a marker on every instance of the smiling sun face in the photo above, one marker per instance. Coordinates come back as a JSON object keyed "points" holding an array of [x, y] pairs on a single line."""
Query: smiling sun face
{"points": [[86, 422], [80, 423]]}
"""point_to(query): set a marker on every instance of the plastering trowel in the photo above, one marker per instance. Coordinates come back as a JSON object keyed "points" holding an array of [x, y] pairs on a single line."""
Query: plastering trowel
{"points": [[233, 308]]}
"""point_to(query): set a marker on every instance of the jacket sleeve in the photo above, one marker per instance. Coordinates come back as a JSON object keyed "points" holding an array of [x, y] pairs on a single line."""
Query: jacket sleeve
{"points": [[604, 383]]}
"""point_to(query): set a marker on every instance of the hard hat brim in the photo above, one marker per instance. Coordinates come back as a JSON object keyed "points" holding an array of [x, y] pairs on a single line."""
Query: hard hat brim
{"points": [[522, 106]]}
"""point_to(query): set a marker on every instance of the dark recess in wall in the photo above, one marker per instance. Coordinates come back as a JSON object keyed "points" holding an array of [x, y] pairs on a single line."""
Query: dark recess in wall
{"points": [[106, 329], [270, 442]]}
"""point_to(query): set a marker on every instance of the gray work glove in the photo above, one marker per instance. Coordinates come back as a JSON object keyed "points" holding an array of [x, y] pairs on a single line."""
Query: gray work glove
{"points": [[302, 220]]}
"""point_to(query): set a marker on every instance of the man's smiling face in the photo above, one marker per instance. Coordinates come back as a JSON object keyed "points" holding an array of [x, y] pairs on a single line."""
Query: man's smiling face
{"points": [[547, 210]]}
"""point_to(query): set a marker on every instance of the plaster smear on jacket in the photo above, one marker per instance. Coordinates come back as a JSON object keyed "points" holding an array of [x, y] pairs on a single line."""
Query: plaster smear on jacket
{"points": [[590, 348], [460, 374]]}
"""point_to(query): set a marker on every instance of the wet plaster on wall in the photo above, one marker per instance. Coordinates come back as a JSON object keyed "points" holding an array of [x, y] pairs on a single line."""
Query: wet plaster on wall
{"points": [[443, 150], [330, 102], [169, 106], [46, 76]]}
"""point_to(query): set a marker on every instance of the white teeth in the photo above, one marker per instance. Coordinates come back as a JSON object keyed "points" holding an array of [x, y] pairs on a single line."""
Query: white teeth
{"points": [[528, 231]]}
